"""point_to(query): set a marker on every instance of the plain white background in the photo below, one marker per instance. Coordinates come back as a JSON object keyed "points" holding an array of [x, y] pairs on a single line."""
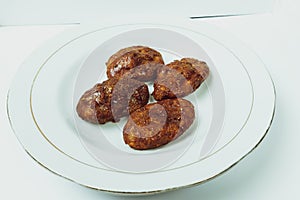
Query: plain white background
{"points": [[87, 11], [271, 171]]}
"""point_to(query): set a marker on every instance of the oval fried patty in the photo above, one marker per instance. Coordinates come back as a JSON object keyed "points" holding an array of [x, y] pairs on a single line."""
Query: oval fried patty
{"points": [[138, 62], [112, 99], [158, 123], [179, 78]]}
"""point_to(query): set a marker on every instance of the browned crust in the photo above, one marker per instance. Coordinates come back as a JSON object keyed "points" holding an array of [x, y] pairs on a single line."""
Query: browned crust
{"points": [[111, 100], [127, 60], [159, 123], [179, 78], [200, 66]]}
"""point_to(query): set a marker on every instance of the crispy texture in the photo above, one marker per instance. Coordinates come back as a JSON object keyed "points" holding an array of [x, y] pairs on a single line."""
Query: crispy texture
{"points": [[111, 100], [199, 65], [179, 78], [159, 123], [138, 62]]}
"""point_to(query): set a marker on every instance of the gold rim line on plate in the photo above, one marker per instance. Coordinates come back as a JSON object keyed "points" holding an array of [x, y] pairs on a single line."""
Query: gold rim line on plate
{"points": [[114, 170], [149, 192]]}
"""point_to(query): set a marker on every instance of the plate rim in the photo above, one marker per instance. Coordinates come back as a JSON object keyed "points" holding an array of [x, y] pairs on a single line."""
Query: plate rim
{"points": [[163, 190]]}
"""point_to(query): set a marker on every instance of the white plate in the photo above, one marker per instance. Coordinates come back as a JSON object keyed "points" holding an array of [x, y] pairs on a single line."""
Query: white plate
{"points": [[234, 109]]}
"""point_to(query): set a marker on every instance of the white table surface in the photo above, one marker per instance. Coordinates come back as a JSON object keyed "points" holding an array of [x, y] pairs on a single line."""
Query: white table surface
{"points": [[271, 171], [68, 11]]}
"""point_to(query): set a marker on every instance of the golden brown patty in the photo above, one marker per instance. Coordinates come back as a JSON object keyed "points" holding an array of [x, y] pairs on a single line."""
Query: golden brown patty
{"points": [[112, 99], [158, 123], [179, 78], [139, 62]]}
